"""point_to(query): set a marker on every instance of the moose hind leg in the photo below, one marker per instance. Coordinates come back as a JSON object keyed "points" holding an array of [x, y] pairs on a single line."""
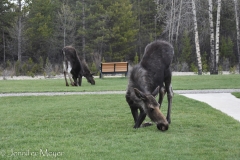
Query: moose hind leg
{"points": [[162, 92], [69, 68], [65, 73]]}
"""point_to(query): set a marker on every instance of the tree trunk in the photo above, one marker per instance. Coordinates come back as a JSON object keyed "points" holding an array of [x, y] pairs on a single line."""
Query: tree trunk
{"points": [[19, 34], [196, 38], [83, 23], [179, 20], [212, 41], [217, 35], [4, 52], [171, 24], [238, 33]]}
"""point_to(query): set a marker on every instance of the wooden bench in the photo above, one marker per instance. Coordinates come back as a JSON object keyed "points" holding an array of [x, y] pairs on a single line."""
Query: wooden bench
{"points": [[113, 67]]}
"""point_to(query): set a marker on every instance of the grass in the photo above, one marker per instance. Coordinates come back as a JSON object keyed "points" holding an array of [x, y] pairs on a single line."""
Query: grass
{"points": [[100, 127], [236, 94], [119, 84]]}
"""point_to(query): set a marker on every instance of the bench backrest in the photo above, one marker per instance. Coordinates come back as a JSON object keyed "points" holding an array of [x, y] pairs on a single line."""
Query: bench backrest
{"points": [[114, 67]]}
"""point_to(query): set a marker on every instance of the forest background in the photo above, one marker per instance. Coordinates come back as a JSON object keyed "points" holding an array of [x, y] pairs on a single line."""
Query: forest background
{"points": [[204, 33]]}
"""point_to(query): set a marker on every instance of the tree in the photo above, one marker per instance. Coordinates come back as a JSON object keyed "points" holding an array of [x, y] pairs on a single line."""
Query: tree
{"points": [[121, 26], [68, 23], [238, 32], [214, 56], [212, 40], [40, 28], [187, 50], [6, 16], [217, 35], [199, 62]]}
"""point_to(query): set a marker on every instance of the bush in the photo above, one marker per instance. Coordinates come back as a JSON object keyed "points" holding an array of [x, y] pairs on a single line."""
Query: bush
{"points": [[136, 59], [48, 70], [93, 68], [194, 68], [232, 70], [17, 68]]}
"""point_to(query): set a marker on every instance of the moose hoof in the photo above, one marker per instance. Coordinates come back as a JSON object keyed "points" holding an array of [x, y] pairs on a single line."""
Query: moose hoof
{"points": [[147, 124]]}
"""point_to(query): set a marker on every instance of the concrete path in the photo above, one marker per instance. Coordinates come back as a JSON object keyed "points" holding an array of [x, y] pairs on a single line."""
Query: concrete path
{"points": [[225, 102]]}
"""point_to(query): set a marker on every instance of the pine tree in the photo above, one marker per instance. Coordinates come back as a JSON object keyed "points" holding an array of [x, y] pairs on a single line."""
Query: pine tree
{"points": [[40, 28]]}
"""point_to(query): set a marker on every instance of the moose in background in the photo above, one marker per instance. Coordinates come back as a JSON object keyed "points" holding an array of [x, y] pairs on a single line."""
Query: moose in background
{"points": [[78, 68]]}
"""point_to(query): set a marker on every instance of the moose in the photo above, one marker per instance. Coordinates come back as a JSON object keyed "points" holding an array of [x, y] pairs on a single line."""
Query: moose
{"points": [[152, 76], [78, 68]]}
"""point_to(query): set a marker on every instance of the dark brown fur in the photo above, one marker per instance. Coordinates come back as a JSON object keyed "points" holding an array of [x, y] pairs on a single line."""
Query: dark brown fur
{"points": [[150, 77], [78, 68]]}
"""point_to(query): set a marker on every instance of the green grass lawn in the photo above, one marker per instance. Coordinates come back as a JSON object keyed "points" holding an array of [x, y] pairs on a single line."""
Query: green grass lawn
{"points": [[100, 127], [236, 94], [119, 84]]}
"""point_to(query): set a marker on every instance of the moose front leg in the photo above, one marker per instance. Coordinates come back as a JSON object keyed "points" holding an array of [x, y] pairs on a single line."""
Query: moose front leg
{"points": [[65, 78], [80, 80], [140, 119], [134, 114], [169, 96]]}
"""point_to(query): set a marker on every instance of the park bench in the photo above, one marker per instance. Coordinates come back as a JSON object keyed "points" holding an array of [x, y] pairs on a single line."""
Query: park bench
{"points": [[113, 68]]}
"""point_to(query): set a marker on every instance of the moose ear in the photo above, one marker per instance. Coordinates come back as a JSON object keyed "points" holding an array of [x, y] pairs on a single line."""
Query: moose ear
{"points": [[155, 92], [140, 94]]}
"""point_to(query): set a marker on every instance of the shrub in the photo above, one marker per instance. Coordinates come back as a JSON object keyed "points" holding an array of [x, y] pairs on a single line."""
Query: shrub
{"points": [[93, 68], [232, 70], [48, 70], [136, 59], [194, 68], [17, 68]]}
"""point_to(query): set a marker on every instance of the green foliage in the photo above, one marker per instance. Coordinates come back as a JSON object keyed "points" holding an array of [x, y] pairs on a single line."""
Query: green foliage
{"points": [[220, 70], [40, 65], [232, 70], [111, 27], [103, 60], [17, 68], [194, 68], [40, 27], [93, 68], [121, 26], [187, 50], [48, 70], [136, 59], [226, 47], [8, 64], [226, 50], [205, 68]]}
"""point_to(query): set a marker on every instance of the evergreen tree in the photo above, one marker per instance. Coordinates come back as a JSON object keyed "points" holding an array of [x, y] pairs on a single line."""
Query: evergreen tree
{"points": [[122, 31], [187, 50], [6, 17], [40, 28]]}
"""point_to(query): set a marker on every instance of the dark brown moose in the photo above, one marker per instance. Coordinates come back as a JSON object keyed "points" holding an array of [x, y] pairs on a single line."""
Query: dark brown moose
{"points": [[78, 68], [148, 78]]}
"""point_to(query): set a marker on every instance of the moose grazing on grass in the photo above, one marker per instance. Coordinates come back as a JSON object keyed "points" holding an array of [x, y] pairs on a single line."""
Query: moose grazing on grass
{"points": [[148, 78], [72, 64]]}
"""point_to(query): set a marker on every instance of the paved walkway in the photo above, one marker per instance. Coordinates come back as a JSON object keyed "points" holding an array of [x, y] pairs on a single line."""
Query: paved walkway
{"points": [[225, 102]]}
